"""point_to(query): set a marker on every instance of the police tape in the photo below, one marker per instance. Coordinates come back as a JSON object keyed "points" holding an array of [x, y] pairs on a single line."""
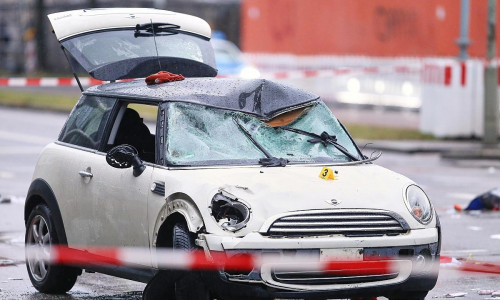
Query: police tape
{"points": [[164, 258], [344, 71], [469, 265], [170, 259], [47, 81], [291, 74]]}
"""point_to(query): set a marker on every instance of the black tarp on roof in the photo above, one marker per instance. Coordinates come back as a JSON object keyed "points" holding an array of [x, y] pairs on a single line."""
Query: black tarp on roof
{"points": [[259, 97]]}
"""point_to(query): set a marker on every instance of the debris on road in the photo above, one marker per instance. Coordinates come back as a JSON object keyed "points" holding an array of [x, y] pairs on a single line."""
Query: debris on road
{"points": [[487, 201], [5, 200], [11, 278], [455, 295], [6, 262], [495, 294], [485, 292]]}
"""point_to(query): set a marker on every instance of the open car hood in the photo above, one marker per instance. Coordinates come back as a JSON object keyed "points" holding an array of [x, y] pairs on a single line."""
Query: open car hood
{"points": [[121, 43]]}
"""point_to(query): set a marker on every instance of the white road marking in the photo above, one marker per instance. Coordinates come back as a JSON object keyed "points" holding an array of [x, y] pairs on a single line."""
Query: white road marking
{"points": [[495, 236], [475, 228], [25, 138], [6, 175], [13, 150], [461, 196]]}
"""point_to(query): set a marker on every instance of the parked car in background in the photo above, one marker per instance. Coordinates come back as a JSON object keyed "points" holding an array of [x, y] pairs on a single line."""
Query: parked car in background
{"points": [[233, 166], [230, 61]]}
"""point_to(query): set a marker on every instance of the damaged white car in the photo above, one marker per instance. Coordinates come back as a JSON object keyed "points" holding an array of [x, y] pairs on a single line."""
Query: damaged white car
{"points": [[225, 165]]}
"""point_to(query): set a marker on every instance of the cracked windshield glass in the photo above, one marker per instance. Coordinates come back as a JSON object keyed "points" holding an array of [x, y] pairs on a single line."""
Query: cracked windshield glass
{"points": [[203, 135]]}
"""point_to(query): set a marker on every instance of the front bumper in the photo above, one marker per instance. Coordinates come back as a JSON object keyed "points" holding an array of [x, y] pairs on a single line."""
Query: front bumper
{"points": [[257, 241], [266, 283]]}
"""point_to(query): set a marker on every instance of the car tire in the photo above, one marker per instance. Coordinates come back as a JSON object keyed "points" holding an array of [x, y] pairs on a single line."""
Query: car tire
{"points": [[190, 286], [409, 296], [40, 234]]}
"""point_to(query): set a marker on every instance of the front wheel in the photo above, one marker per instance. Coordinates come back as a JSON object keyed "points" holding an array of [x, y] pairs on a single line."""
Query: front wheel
{"points": [[175, 284], [40, 235], [190, 286]]}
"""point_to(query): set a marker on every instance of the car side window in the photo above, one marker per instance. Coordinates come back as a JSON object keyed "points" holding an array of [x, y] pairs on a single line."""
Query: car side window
{"points": [[85, 125], [135, 125]]}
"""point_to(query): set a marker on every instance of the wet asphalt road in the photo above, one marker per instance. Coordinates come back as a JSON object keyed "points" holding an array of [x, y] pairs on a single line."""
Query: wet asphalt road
{"points": [[23, 133]]}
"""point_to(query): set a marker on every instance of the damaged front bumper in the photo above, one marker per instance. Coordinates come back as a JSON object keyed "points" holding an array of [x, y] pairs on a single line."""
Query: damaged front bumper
{"points": [[416, 255]]}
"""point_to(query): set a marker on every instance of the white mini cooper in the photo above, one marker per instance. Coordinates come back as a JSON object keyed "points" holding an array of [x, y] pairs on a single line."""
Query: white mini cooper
{"points": [[225, 165]]}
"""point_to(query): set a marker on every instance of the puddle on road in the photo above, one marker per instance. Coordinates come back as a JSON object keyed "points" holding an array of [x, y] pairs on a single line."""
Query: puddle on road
{"points": [[129, 295]]}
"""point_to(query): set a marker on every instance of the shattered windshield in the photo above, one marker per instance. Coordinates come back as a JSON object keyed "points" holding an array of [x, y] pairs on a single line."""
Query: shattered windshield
{"points": [[201, 135]]}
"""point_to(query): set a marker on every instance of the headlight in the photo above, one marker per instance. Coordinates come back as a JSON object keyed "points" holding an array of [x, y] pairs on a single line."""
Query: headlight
{"points": [[418, 204], [231, 215]]}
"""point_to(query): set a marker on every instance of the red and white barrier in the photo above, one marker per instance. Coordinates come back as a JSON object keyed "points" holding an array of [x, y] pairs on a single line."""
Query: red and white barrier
{"points": [[336, 72], [47, 81], [293, 74], [452, 98], [470, 265], [198, 260]]}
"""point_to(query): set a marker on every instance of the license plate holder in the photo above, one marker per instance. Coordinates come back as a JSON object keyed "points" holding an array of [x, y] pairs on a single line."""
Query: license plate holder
{"points": [[343, 254]]}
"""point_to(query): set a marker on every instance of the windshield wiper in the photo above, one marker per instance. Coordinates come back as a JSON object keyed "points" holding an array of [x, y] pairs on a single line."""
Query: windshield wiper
{"points": [[269, 161], [324, 138], [152, 29]]}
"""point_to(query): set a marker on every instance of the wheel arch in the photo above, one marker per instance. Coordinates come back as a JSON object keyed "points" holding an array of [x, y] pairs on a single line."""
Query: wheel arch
{"points": [[179, 207], [40, 192]]}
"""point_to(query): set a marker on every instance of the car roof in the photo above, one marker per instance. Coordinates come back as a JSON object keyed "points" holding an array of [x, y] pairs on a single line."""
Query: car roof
{"points": [[260, 97], [70, 23]]}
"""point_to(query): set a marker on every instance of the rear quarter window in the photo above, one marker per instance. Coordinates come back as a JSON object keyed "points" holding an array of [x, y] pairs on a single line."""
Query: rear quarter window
{"points": [[86, 123]]}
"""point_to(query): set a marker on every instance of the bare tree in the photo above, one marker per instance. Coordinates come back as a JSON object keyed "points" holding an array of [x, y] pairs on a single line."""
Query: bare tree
{"points": [[40, 36], [92, 3]]}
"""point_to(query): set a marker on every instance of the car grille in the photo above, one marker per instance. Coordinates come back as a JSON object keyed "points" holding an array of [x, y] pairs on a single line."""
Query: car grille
{"points": [[322, 278], [339, 222]]}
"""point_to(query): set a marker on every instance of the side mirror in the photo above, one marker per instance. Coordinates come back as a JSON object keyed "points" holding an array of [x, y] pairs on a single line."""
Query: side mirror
{"points": [[125, 156]]}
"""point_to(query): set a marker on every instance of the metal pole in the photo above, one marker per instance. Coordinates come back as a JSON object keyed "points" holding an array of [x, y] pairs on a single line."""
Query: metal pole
{"points": [[463, 41], [491, 115]]}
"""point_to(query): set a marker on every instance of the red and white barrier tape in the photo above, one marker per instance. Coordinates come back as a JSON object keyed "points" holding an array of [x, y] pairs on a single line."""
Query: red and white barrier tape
{"points": [[47, 81], [198, 260], [296, 74], [429, 73], [470, 265], [302, 74]]}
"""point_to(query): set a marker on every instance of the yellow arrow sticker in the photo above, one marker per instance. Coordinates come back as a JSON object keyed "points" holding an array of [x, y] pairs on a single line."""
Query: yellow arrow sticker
{"points": [[326, 174]]}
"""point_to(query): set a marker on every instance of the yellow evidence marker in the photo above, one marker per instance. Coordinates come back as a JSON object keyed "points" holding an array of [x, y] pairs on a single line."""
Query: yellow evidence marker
{"points": [[327, 174]]}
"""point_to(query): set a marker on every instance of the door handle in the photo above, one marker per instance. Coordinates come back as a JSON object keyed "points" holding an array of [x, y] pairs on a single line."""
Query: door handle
{"points": [[86, 173]]}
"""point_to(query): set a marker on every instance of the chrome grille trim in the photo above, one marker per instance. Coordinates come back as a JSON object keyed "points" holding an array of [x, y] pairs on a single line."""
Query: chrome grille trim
{"points": [[305, 224], [333, 217], [316, 278], [338, 222], [337, 230]]}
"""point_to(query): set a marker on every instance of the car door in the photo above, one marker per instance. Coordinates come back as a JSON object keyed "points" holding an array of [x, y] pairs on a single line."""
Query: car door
{"points": [[118, 199], [75, 163]]}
